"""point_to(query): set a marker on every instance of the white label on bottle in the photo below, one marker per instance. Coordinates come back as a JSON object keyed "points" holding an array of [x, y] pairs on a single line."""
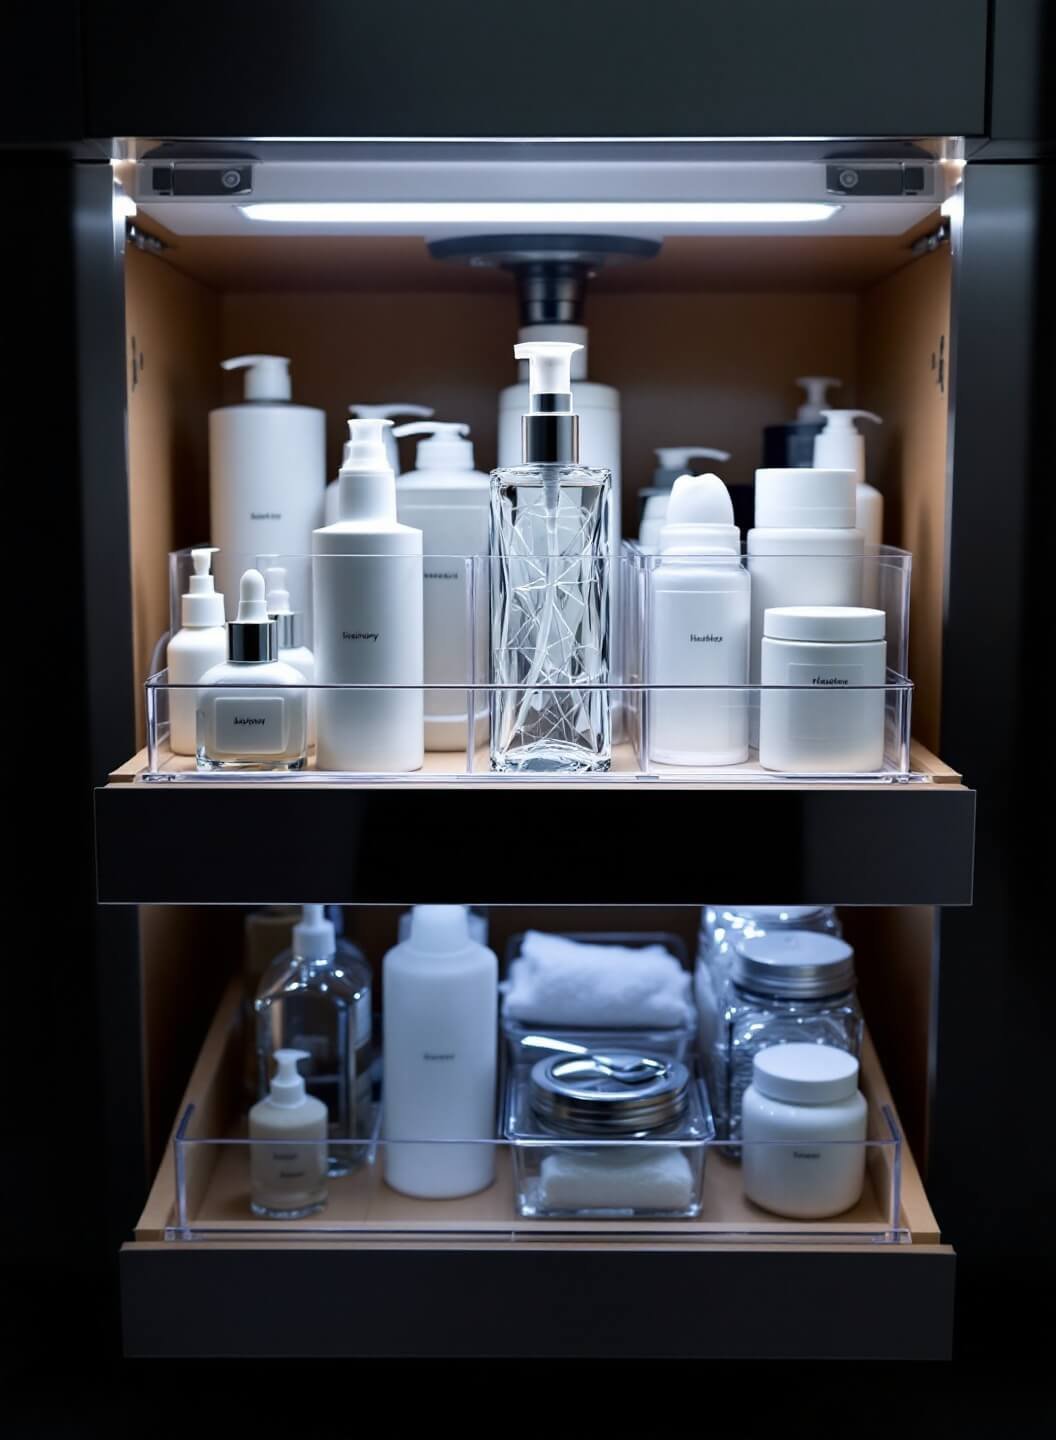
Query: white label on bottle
{"points": [[827, 677], [253, 725]]}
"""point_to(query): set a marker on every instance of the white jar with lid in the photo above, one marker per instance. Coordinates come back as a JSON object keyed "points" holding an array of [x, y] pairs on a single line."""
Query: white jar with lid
{"points": [[803, 1128], [834, 658]]}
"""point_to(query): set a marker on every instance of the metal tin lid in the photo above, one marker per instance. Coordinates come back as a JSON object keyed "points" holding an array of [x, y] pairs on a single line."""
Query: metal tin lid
{"points": [[588, 1094], [794, 963]]}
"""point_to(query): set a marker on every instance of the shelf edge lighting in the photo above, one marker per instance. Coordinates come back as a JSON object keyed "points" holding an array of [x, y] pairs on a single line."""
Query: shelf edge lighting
{"points": [[527, 212]]}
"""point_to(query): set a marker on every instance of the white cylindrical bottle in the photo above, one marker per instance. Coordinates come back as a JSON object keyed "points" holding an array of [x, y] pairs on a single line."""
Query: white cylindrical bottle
{"points": [[805, 549], [289, 634], [841, 446], [449, 502], [440, 1013], [803, 1128], [194, 649], [288, 1170], [672, 461], [332, 504], [831, 718], [267, 473], [598, 408], [699, 628], [367, 610]]}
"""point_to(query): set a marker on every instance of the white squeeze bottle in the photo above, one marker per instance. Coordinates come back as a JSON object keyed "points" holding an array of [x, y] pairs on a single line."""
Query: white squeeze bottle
{"points": [[440, 1011], [194, 649], [449, 501], [367, 619]]}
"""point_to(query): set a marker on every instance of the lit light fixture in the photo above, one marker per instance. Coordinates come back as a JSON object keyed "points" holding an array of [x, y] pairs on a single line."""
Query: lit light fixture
{"points": [[124, 205], [540, 212], [953, 204]]}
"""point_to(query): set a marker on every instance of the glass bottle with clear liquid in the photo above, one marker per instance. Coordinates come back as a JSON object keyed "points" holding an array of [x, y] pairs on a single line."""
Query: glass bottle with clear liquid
{"points": [[551, 592]]}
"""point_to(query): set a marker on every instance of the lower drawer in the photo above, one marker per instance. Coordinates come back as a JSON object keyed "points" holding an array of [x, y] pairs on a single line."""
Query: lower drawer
{"points": [[383, 1276]]}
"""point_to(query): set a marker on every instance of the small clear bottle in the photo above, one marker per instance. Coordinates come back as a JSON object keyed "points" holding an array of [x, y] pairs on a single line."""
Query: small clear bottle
{"points": [[550, 587], [316, 998]]}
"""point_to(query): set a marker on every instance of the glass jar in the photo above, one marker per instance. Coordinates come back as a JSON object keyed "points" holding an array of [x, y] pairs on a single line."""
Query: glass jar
{"points": [[790, 987]]}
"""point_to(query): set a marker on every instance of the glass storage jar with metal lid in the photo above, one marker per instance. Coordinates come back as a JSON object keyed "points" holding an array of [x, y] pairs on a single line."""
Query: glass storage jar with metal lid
{"points": [[794, 986], [617, 1135]]}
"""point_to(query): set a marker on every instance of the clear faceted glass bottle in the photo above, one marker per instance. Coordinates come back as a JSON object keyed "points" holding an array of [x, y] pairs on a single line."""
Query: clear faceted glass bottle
{"points": [[550, 588]]}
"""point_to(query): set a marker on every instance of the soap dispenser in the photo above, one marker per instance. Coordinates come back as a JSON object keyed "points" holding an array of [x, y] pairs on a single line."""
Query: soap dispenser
{"points": [[448, 500], [368, 619], [699, 629], [267, 473], [841, 446], [373, 412], [551, 587], [672, 461], [792, 446], [287, 1154], [200, 644]]}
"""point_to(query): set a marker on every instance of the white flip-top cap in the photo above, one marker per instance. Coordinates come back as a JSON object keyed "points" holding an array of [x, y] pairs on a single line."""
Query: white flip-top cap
{"points": [[287, 1084], [801, 499], [202, 607], [700, 518], [439, 929], [267, 376], [805, 1074], [446, 447], [314, 937], [841, 445], [816, 387], [835, 624]]}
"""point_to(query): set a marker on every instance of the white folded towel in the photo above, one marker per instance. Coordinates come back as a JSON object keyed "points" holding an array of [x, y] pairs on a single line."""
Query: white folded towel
{"points": [[616, 1179], [565, 982]]}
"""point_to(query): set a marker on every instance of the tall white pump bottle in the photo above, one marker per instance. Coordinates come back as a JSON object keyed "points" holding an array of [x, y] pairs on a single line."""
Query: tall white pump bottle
{"points": [[267, 474], [841, 446], [367, 606], [448, 500]]}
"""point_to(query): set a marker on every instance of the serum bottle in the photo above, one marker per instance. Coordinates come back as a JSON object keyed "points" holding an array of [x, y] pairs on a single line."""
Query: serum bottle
{"points": [[289, 634], [252, 709]]}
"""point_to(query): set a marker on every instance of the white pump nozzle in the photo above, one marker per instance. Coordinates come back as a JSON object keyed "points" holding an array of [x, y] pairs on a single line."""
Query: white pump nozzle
{"points": [[277, 595], [549, 373], [388, 412], [815, 386], [267, 376], [841, 445], [201, 606], [439, 929], [446, 449], [252, 609], [367, 482], [287, 1084], [365, 447], [700, 518], [677, 457], [314, 936]]}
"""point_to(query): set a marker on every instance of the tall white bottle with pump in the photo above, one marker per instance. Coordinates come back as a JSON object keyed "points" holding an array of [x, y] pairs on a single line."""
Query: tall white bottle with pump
{"points": [[841, 446], [448, 501], [440, 1013], [367, 593], [200, 644], [267, 474]]}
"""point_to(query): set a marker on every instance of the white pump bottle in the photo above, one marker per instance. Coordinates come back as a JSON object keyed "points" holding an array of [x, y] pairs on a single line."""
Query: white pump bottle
{"points": [[448, 500], [672, 461], [267, 473], [813, 407], [194, 649], [841, 446], [367, 589], [288, 1169], [374, 412]]}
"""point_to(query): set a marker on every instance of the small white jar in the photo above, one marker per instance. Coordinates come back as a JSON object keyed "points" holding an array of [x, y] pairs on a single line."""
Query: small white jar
{"points": [[834, 722], [805, 1097]]}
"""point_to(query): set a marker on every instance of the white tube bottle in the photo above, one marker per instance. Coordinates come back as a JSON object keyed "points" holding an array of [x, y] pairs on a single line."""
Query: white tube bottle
{"points": [[288, 1169], [440, 1014], [289, 634], [449, 502], [194, 649], [267, 473], [373, 412], [699, 629], [367, 619], [841, 446], [805, 548]]}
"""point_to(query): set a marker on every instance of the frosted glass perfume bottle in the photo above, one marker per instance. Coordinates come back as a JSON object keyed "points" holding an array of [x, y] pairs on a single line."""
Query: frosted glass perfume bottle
{"points": [[550, 587], [316, 998]]}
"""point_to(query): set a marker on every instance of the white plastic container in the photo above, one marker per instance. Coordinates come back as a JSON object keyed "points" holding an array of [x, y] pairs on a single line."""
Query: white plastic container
{"points": [[288, 1176], [200, 644], [440, 1015], [332, 509], [699, 629], [806, 1099], [267, 473], [672, 462], [841, 446], [833, 723], [598, 408], [367, 610], [804, 549], [449, 501], [289, 634]]}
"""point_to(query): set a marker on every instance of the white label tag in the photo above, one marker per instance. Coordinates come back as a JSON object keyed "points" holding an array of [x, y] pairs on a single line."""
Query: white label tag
{"points": [[252, 725]]}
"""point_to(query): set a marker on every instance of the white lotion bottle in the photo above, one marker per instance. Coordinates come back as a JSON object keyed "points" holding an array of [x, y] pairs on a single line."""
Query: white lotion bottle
{"points": [[440, 1016], [449, 501], [289, 634], [267, 472], [699, 630], [672, 461], [194, 649], [373, 412], [288, 1171], [841, 446], [805, 548], [368, 619]]}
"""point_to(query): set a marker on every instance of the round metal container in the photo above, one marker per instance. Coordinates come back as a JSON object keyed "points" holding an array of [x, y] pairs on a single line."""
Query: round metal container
{"points": [[581, 1095], [795, 964]]}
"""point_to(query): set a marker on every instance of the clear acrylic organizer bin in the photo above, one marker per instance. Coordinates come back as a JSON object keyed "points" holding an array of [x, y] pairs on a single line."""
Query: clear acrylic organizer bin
{"points": [[457, 707]]}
